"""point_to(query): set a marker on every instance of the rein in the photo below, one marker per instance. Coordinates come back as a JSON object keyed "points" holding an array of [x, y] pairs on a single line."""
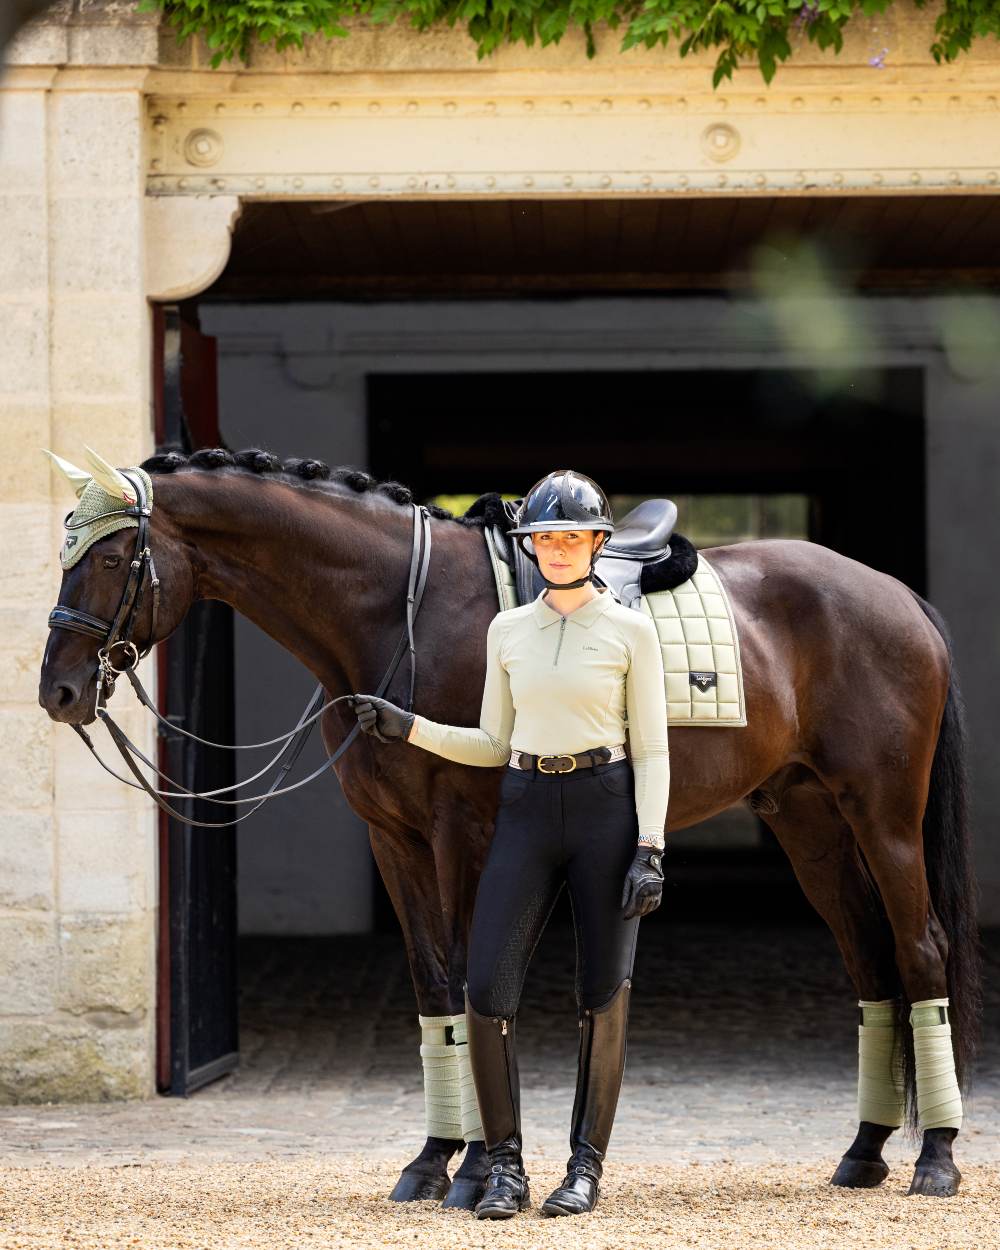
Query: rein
{"points": [[118, 633]]}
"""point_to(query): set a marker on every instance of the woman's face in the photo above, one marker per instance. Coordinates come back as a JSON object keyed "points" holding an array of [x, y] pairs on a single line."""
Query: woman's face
{"points": [[564, 555]]}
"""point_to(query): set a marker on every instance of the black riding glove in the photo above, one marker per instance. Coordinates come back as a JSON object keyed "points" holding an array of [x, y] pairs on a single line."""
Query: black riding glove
{"points": [[380, 717], [644, 883]]}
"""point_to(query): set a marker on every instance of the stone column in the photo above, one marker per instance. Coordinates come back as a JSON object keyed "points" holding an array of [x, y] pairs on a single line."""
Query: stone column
{"points": [[77, 850]]}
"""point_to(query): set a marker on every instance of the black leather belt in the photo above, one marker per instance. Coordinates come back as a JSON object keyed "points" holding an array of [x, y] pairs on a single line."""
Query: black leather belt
{"points": [[551, 764]]}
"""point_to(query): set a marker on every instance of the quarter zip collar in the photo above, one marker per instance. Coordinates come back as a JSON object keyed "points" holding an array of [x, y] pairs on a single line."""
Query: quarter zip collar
{"points": [[584, 615]]}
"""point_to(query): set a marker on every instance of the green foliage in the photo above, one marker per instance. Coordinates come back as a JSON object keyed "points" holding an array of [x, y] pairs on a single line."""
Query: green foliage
{"points": [[739, 29]]}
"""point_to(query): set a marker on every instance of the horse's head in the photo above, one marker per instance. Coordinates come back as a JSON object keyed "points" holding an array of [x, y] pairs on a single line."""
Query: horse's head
{"points": [[118, 560]]}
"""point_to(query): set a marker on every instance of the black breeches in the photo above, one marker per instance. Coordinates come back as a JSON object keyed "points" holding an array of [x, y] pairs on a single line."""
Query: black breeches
{"points": [[577, 829]]}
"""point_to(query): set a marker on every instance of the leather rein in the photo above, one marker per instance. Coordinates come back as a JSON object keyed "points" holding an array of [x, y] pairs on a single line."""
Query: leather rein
{"points": [[118, 633]]}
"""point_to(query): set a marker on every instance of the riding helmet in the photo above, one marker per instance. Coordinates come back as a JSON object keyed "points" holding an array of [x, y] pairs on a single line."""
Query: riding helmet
{"points": [[563, 500]]}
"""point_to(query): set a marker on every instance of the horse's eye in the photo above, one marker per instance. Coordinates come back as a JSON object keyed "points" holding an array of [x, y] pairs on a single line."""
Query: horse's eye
{"points": [[112, 562]]}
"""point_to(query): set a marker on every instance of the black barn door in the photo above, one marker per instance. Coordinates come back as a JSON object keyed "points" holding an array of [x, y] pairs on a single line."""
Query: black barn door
{"points": [[198, 1026]]}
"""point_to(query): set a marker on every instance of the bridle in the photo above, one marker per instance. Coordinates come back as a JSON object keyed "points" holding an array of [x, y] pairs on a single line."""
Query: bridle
{"points": [[118, 633]]}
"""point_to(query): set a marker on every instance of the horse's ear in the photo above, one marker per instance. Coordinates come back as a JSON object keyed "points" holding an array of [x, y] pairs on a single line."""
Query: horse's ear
{"points": [[108, 478], [77, 478]]}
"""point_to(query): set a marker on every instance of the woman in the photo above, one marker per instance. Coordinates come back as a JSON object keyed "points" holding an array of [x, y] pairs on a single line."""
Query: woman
{"points": [[562, 673]]}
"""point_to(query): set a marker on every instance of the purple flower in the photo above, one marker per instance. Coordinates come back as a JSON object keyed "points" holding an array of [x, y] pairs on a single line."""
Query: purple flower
{"points": [[807, 14], [878, 61]]}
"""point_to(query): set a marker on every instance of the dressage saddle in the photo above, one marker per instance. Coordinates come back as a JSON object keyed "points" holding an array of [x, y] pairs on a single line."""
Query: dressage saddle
{"points": [[641, 538]]}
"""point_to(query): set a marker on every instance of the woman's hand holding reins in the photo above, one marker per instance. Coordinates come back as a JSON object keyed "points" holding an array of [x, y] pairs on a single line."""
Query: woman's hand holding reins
{"points": [[380, 717], [644, 883]]}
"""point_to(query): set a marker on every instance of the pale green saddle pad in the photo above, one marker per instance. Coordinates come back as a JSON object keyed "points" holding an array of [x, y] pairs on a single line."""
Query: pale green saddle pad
{"points": [[703, 676]]}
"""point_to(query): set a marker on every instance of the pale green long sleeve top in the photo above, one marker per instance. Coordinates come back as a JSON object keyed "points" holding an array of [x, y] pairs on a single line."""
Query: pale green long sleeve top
{"points": [[558, 683]]}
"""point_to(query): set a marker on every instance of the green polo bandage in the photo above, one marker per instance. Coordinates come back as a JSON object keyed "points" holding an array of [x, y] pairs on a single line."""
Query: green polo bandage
{"points": [[442, 1099], [880, 1064], [939, 1101], [472, 1125]]}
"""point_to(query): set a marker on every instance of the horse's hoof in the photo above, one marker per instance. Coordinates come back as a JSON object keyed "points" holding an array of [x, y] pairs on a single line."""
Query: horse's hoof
{"points": [[860, 1173], [935, 1181], [466, 1193], [420, 1186]]}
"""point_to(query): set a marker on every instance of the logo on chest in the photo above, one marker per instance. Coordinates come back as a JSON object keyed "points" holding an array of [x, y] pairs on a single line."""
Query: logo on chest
{"points": [[587, 647]]}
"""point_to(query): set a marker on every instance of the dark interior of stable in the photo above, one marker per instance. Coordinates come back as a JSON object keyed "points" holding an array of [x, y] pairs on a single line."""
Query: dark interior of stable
{"points": [[860, 464]]}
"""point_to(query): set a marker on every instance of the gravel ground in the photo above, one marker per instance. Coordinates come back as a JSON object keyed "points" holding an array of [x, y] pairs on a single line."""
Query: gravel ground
{"points": [[738, 1100], [317, 1202]]}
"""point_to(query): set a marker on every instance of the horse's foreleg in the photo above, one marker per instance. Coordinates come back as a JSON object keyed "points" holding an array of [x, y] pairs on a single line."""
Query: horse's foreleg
{"points": [[823, 853], [407, 868], [459, 853]]}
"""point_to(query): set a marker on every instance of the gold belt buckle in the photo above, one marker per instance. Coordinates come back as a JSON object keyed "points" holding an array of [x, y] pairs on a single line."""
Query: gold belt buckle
{"points": [[549, 771]]}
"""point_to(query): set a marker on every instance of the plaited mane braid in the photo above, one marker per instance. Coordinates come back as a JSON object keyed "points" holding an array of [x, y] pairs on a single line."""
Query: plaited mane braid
{"points": [[265, 463]]}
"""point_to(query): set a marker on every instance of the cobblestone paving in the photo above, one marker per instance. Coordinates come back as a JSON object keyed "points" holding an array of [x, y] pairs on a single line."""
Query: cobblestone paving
{"points": [[742, 1048]]}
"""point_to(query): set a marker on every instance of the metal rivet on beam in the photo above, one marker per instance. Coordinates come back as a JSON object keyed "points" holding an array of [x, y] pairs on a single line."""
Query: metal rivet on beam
{"points": [[450, 181], [259, 183], [760, 102], [374, 106], [449, 106], [297, 106], [337, 183], [491, 106], [373, 181], [567, 180], [412, 106], [297, 184], [605, 181], [644, 105], [529, 181], [838, 179], [182, 184], [682, 104], [798, 102], [646, 180], [605, 106], [683, 181], [915, 177], [334, 106], [567, 106], [954, 177], [182, 106], [760, 181], [491, 182], [991, 177], [528, 105], [220, 108], [877, 179], [915, 101], [258, 107], [836, 102]]}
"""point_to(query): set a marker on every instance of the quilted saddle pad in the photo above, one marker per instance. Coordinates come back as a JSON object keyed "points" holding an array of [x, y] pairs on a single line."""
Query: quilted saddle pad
{"points": [[702, 672]]}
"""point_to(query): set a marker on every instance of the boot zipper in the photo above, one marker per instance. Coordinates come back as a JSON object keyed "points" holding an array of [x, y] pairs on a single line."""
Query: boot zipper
{"points": [[562, 627]]}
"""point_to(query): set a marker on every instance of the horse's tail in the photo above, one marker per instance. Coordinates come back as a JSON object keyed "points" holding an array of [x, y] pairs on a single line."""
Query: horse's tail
{"points": [[951, 879]]}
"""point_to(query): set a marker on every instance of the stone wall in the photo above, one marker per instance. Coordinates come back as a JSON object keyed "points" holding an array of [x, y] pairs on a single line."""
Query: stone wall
{"points": [[77, 867]]}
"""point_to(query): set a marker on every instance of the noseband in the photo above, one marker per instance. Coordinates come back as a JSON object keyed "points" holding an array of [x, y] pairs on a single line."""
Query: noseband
{"points": [[118, 633]]}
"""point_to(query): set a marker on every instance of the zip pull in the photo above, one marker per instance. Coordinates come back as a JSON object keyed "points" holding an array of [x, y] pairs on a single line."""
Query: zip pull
{"points": [[503, 1028]]}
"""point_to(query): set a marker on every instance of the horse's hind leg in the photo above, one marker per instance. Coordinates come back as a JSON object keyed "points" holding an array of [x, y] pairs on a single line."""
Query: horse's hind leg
{"points": [[824, 855], [885, 811]]}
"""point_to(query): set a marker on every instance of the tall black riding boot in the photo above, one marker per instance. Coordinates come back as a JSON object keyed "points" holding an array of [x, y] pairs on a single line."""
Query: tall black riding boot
{"points": [[493, 1059], [601, 1065]]}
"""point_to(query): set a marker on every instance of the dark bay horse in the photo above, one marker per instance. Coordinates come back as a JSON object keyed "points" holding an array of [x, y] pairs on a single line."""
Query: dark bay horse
{"points": [[854, 753]]}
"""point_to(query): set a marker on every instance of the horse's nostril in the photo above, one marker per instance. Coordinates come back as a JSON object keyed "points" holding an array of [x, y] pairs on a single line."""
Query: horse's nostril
{"points": [[65, 695]]}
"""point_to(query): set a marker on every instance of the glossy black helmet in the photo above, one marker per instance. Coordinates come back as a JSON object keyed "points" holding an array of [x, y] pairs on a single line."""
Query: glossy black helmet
{"points": [[564, 500]]}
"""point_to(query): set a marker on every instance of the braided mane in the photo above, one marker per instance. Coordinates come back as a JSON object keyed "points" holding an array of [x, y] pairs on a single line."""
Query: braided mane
{"points": [[264, 463]]}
